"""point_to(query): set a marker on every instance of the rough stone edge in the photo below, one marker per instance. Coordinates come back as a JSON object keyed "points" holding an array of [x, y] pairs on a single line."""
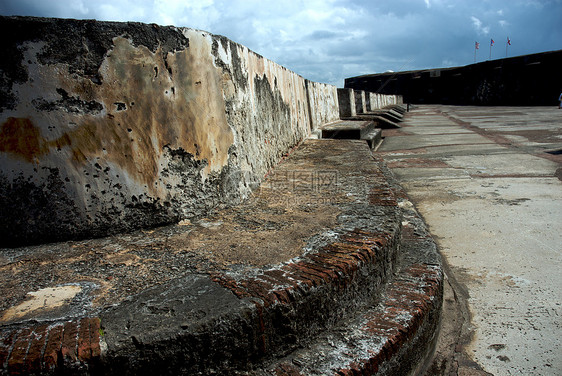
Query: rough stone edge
{"points": [[313, 293], [399, 347], [69, 347], [288, 304]]}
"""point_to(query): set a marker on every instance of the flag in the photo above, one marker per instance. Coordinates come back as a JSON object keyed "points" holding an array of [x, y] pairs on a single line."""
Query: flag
{"points": [[491, 42], [508, 41], [477, 45]]}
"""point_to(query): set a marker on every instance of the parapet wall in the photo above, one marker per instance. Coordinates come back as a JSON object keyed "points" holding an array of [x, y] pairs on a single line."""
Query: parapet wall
{"points": [[356, 102], [108, 127]]}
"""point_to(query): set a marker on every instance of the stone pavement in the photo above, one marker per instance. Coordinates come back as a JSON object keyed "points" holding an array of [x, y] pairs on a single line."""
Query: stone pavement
{"points": [[487, 181]]}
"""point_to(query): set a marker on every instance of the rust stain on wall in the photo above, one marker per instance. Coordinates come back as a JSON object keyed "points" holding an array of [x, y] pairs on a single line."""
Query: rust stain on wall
{"points": [[150, 101], [153, 101], [21, 139]]}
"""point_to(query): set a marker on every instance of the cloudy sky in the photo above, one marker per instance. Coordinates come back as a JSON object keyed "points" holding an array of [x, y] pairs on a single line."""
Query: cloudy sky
{"points": [[328, 40]]}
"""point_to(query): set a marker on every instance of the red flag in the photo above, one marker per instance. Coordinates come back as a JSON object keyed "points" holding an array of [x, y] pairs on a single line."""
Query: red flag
{"points": [[477, 45], [508, 41], [491, 42]]}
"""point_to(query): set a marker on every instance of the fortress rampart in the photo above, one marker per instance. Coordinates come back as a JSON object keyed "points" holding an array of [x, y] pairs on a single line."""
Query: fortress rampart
{"points": [[108, 127]]}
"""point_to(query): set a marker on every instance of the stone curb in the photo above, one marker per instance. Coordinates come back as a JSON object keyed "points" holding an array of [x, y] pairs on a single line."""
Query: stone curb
{"points": [[48, 348], [397, 335], [390, 336]]}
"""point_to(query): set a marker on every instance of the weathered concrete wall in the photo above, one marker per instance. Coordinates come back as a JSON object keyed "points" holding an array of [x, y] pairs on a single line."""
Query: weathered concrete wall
{"points": [[377, 101], [108, 127], [352, 102], [360, 103], [346, 102], [323, 103], [373, 101], [522, 80]]}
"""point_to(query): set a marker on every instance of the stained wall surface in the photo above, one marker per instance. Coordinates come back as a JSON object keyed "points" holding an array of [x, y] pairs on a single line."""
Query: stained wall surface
{"points": [[108, 127], [377, 101], [323, 103]]}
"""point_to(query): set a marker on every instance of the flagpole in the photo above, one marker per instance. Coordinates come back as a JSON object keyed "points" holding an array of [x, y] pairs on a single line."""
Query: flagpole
{"points": [[490, 58]]}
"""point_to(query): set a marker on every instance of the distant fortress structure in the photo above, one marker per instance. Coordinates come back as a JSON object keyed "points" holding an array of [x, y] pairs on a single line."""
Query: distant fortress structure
{"points": [[529, 80]]}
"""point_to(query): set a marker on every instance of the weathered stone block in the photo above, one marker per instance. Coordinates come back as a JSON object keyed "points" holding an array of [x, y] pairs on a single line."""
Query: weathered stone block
{"points": [[360, 103], [346, 102]]}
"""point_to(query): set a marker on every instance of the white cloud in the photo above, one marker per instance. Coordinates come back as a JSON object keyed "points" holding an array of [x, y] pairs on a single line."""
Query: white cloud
{"points": [[427, 4], [476, 23], [80, 7], [479, 27], [201, 14]]}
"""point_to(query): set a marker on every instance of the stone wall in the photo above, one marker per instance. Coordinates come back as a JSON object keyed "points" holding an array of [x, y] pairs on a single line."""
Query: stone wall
{"points": [[346, 103], [377, 101], [109, 127], [353, 102], [323, 103]]}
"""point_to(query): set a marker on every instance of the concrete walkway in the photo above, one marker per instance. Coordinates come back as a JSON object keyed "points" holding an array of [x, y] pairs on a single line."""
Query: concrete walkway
{"points": [[487, 181]]}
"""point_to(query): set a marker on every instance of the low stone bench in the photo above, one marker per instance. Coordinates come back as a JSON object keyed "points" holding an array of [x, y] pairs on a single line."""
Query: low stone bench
{"points": [[354, 130]]}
